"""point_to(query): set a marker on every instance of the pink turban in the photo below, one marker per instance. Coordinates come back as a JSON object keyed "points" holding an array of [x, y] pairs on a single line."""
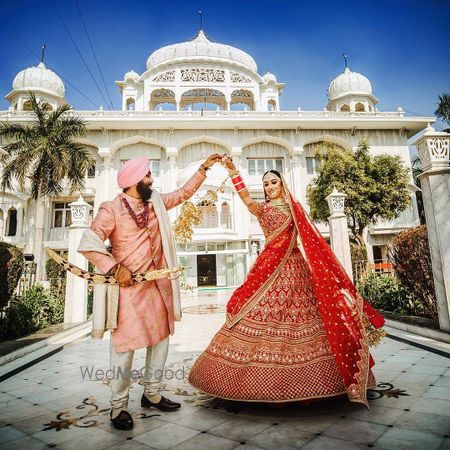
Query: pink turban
{"points": [[133, 171]]}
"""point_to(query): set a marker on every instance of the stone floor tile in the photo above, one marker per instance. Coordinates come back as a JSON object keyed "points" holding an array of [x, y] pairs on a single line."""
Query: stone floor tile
{"points": [[421, 421], [442, 381], [207, 441], [166, 436], [53, 436], [203, 420], [425, 369], [141, 426], [26, 443], [432, 406], [286, 436], [405, 439], [328, 443], [35, 423], [97, 439], [377, 414], [356, 431], [240, 429], [130, 444], [439, 392], [9, 433]]}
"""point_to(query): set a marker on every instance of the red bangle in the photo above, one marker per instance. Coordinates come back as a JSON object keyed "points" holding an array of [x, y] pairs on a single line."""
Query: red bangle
{"points": [[237, 180]]}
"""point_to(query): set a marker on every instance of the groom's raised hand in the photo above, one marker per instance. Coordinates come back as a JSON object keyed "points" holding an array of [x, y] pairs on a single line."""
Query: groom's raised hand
{"points": [[212, 159]]}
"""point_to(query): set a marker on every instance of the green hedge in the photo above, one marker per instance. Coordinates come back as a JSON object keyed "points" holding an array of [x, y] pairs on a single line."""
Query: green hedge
{"points": [[36, 309], [386, 293]]}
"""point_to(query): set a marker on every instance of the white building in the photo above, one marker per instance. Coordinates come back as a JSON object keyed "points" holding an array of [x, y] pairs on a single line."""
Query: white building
{"points": [[194, 98]]}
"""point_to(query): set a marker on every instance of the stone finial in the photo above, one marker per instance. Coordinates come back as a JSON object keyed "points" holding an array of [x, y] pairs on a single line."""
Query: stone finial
{"points": [[434, 149], [80, 212], [336, 202]]}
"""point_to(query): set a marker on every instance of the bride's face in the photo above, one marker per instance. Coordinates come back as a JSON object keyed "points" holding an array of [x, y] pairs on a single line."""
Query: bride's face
{"points": [[272, 187]]}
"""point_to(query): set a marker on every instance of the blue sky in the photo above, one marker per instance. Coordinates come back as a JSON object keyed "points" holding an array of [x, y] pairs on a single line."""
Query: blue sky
{"points": [[401, 46]]}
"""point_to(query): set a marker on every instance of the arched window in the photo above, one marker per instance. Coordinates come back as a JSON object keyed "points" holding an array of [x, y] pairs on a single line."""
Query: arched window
{"points": [[345, 108], [202, 99], [271, 105], [161, 98], [240, 99], [11, 226], [27, 105], [131, 104], [359, 107], [47, 106], [209, 215], [225, 216]]}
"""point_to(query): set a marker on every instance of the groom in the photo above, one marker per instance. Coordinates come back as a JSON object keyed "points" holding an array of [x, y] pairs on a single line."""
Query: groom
{"points": [[137, 226]]}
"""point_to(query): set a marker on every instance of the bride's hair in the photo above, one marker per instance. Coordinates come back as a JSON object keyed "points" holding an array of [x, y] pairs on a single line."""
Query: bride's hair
{"points": [[275, 172]]}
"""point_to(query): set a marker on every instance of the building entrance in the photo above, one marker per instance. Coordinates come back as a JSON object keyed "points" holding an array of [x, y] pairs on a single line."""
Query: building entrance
{"points": [[206, 270]]}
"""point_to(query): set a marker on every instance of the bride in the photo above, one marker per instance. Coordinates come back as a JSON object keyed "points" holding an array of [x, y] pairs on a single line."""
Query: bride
{"points": [[296, 329]]}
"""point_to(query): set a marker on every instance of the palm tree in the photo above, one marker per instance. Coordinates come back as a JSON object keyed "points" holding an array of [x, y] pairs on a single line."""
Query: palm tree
{"points": [[443, 109], [42, 156]]}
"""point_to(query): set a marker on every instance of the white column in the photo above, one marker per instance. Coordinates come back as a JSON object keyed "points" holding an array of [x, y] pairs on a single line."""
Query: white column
{"points": [[296, 175], [171, 178], [340, 242], [434, 150], [75, 306]]}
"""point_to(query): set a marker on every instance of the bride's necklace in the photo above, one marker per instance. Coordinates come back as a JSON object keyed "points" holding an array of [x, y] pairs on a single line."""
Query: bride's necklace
{"points": [[280, 204]]}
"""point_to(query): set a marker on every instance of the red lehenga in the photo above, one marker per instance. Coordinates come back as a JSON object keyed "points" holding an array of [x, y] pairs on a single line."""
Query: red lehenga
{"points": [[297, 328]]}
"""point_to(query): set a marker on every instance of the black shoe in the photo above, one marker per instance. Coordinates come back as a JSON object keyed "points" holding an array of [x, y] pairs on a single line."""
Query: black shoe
{"points": [[163, 405], [123, 421]]}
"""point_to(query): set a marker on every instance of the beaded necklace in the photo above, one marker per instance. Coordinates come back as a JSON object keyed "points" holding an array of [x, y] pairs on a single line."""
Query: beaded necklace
{"points": [[140, 219]]}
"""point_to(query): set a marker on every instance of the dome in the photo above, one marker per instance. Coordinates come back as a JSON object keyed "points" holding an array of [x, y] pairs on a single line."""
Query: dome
{"points": [[349, 82], [201, 47], [269, 77], [39, 78], [131, 75]]}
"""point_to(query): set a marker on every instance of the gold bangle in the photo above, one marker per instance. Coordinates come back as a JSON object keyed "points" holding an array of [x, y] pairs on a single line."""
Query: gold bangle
{"points": [[234, 174], [202, 170]]}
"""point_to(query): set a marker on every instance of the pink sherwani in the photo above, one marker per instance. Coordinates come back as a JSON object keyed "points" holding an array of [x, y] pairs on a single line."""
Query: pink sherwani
{"points": [[145, 314]]}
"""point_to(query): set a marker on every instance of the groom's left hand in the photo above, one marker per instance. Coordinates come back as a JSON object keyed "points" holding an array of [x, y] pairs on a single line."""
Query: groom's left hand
{"points": [[212, 159]]}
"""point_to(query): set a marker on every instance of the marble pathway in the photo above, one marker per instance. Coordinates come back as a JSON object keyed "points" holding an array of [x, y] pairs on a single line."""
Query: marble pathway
{"points": [[51, 405]]}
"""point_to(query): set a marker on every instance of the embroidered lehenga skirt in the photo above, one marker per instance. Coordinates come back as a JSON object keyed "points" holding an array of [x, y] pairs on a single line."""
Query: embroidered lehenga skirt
{"points": [[277, 352]]}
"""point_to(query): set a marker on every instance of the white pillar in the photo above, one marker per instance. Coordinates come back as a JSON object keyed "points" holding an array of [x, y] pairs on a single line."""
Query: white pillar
{"points": [[170, 183], [434, 149], [296, 174], [75, 306], [340, 242]]}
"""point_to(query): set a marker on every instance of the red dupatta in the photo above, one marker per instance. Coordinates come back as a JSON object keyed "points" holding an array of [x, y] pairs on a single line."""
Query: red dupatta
{"points": [[345, 314]]}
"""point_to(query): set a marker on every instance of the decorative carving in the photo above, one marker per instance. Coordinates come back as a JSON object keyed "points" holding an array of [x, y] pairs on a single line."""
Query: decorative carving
{"points": [[238, 78], [338, 203], [241, 93], [203, 93], [165, 77], [163, 93], [434, 151], [199, 75]]}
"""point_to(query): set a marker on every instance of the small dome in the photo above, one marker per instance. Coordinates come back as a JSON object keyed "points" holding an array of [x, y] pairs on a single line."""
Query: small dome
{"points": [[131, 75], [39, 78], [269, 77], [203, 48], [349, 82]]}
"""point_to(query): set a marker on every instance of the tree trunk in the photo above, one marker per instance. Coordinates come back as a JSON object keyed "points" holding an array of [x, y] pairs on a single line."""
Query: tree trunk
{"points": [[359, 257]]}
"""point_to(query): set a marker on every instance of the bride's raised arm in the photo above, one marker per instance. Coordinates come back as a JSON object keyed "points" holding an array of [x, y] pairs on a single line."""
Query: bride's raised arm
{"points": [[239, 185]]}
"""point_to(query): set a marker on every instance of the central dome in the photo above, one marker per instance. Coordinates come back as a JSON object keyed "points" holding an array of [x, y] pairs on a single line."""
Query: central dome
{"points": [[201, 47]]}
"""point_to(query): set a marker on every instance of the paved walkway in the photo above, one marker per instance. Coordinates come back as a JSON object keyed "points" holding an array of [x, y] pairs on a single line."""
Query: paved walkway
{"points": [[50, 405]]}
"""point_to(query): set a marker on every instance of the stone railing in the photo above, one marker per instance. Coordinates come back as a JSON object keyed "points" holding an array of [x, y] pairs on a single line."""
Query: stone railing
{"points": [[18, 115]]}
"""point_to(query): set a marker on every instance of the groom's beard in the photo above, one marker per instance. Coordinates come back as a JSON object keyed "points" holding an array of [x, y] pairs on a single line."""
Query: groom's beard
{"points": [[144, 190]]}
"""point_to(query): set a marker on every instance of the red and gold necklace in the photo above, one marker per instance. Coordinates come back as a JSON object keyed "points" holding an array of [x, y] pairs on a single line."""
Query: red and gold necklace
{"points": [[140, 219]]}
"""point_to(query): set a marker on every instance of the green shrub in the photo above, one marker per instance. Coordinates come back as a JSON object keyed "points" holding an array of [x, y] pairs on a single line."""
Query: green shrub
{"points": [[386, 293], [410, 256], [36, 309], [11, 267]]}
